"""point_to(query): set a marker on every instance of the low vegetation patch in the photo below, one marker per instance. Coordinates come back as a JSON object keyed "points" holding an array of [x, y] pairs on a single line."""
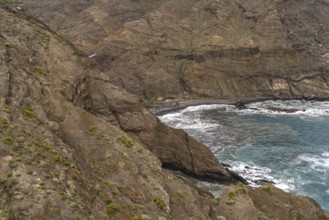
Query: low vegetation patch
{"points": [[230, 198], [268, 189], [4, 124], [92, 129], [40, 71], [241, 189], [28, 112], [181, 194], [9, 140], [58, 159], [42, 35], [215, 201], [6, 110], [110, 208], [160, 202], [126, 141]]}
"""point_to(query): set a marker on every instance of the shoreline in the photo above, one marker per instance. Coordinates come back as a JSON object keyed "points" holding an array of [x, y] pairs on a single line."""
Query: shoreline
{"points": [[166, 107]]}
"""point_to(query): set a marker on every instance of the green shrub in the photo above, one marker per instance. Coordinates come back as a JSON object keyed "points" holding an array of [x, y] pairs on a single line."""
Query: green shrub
{"points": [[160, 202], [231, 195], [4, 124], [28, 112], [111, 208], [6, 110], [9, 140], [125, 155], [93, 129], [3, 181], [42, 35], [126, 141], [13, 183], [181, 194], [59, 38], [215, 201], [241, 188], [40, 71], [137, 218], [58, 159], [268, 189], [230, 198]]}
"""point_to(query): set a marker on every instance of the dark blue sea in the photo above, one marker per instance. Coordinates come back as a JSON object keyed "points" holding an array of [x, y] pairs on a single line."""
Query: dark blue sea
{"points": [[286, 142]]}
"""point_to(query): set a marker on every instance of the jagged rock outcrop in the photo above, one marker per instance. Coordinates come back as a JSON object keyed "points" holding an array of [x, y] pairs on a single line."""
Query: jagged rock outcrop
{"points": [[218, 49], [173, 147]]}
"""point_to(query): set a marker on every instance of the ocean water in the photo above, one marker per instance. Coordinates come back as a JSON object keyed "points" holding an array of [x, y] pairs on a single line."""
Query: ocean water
{"points": [[286, 142]]}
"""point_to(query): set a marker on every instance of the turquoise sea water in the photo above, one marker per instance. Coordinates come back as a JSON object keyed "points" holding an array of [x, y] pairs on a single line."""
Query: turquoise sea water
{"points": [[262, 142]]}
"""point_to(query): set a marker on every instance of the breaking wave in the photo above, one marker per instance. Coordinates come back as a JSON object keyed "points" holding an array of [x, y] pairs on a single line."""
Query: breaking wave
{"points": [[283, 142]]}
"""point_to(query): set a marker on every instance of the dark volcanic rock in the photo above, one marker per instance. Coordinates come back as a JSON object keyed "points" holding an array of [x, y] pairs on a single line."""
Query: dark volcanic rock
{"points": [[240, 105]]}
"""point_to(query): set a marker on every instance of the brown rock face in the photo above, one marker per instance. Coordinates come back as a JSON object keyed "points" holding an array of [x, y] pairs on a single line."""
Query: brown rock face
{"points": [[59, 161], [173, 147], [94, 93], [86, 22], [266, 202], [64, 152], [218, 49]]}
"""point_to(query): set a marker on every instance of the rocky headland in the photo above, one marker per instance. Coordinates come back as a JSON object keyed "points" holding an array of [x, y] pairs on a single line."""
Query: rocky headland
{"points": [[77, 141]]}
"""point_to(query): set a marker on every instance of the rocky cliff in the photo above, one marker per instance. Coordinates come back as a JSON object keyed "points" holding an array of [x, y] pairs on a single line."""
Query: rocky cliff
{"points": [[191, 48], [75, 146]]}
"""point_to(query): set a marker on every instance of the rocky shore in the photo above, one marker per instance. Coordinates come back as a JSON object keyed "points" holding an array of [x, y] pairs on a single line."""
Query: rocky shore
{"points": [[77, 143], [164, 107]]}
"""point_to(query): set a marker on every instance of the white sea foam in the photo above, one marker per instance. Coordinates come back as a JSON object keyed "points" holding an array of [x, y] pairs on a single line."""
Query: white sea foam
{"points": [[256, 175], [325, 154], [317, 162], [189, 118], [286, 184], [312, 109], [301, 173], [187, 122], [292, 107], [198, 108], [251, 172]]}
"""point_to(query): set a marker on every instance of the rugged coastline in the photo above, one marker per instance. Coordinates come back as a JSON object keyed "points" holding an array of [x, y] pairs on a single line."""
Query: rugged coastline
{"points": [[76, 146], [163, 107], [219, 127]]}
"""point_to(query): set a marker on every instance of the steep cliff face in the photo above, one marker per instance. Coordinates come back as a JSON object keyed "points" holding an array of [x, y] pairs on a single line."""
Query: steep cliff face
{"points": [[65, 152], [218, 49]]}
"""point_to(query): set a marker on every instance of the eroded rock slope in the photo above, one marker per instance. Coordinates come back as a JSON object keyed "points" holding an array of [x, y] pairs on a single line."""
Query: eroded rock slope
{"points": [[191, 48], [60, 161], [74, 146]]}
